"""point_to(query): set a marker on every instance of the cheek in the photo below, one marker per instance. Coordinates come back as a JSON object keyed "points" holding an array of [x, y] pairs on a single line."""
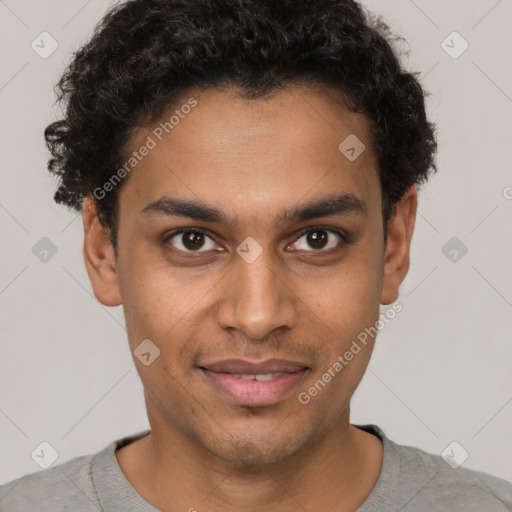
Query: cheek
{"points": [[345, 311], [162, 305], [346, 301], [156, 297]]}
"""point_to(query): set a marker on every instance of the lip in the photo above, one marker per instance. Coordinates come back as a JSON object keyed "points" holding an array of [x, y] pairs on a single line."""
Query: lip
{"points": [[253, 392], [244, 366]]}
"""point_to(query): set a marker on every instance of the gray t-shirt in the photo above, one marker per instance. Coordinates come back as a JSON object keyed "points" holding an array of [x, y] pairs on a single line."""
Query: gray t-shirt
{"points": [[411, 480]]}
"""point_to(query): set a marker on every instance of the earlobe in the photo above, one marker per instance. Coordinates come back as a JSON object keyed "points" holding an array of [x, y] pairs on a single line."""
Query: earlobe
{"points": [[99, 257], [397, 252]]}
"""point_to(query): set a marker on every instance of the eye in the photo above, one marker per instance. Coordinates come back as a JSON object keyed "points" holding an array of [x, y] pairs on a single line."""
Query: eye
{"points": [[319, 238], [191, 240]]}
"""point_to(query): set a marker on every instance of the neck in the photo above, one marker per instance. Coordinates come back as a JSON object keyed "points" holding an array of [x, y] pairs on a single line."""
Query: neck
{"points": [[173, 473]]}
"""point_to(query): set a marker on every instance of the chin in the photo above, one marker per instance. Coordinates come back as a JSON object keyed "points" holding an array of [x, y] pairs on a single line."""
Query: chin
{"points": [[245, 451]]}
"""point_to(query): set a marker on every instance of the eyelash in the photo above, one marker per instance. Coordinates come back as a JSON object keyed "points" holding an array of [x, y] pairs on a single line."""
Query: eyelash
{"points": [[343, 236]]}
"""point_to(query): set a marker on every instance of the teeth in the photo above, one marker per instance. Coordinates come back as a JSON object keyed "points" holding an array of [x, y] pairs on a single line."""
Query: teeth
{"points": [[258, 377], [266, 376]]}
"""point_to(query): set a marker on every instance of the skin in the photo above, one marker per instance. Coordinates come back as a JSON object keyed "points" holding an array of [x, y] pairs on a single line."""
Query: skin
{"points": [[252, 160]]}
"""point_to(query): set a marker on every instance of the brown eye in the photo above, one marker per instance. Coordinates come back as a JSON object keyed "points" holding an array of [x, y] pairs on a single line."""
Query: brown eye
{"points": [[319, 239], [191, 240]]}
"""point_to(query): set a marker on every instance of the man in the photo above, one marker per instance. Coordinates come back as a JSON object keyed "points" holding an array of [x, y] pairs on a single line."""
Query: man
{"points": [[247, 173]]}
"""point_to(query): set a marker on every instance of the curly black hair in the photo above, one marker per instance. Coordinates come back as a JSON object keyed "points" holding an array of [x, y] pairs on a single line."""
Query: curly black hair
{"points": [[145, 54]]}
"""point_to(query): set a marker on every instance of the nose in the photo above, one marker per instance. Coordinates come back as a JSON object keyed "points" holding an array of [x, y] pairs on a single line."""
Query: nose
{"points": [[257, 299]]}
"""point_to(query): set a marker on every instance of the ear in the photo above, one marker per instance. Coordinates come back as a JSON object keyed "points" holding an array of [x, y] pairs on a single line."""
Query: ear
{"points": [[397, 251], [99, 256]]}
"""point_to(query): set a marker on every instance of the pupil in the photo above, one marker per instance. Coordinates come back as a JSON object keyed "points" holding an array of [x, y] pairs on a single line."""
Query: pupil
{"points": [[191, 239], [317, 239]]}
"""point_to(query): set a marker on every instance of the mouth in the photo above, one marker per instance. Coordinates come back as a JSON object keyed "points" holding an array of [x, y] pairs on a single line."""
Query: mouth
{"points": [[254, 384]]}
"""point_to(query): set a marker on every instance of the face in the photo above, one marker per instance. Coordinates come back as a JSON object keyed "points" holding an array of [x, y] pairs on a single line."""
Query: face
{"points": [[249, 244]]}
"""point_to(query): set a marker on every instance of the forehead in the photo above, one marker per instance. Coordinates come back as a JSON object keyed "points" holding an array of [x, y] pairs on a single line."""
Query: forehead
{"points": [[248, 156]]}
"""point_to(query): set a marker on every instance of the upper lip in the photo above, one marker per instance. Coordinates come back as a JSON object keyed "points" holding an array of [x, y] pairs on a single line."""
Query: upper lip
{"points": [[241, 366]]}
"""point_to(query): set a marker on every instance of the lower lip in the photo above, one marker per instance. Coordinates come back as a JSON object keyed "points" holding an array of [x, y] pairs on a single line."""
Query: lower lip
{"points": [[254, 392]]}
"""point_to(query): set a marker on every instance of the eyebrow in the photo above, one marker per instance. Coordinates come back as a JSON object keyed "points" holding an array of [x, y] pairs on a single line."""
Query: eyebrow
{"points": [[343, 204]]}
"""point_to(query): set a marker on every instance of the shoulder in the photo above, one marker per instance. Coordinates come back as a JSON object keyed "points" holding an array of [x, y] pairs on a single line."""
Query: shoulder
{"points": [[436, 484], [414, 480], [65, 487], [75, 485]]}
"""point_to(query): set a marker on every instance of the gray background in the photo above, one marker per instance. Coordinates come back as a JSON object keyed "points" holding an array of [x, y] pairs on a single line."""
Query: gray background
{"points": [[441, 371]]}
